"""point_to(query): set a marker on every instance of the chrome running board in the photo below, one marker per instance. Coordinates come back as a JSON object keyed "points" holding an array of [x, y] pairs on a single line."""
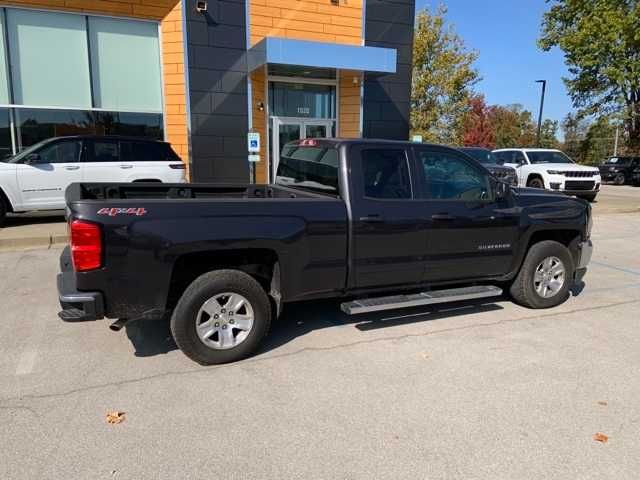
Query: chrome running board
{"points": [[367, 305]]}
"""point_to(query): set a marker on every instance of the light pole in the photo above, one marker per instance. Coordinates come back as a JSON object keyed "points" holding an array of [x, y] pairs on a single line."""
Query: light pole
{"points": [[544, 88]]}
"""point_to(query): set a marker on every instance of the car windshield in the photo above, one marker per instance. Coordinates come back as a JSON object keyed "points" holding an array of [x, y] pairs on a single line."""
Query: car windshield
{"points": [[309, 167], [481, 155], [618, 161], [548, 157]]}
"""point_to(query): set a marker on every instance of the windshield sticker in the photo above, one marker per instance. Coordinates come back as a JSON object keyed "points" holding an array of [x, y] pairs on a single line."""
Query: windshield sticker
{"points": [[112, 212]]}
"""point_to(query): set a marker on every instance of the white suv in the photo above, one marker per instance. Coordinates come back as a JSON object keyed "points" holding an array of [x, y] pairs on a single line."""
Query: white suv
{"points": [[37, 177], [553, 170]]}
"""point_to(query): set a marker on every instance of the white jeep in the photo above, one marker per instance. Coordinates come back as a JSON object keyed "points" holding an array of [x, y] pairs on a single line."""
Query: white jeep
{"points": [[553, 170]]}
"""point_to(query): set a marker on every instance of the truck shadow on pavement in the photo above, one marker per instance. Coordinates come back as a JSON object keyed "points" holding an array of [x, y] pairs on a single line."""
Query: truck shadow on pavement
{"points": [[153, 337]]}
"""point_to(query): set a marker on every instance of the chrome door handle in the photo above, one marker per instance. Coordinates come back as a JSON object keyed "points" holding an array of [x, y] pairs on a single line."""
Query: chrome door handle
{"points": [[371, 219], [72, 167], [126, 166], [442, 217]]}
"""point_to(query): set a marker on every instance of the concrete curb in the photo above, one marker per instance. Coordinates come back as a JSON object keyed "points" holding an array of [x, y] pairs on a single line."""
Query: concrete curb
{"points": [[29, 243]]}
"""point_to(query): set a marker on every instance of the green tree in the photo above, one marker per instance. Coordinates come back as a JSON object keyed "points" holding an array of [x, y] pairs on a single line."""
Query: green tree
{"points": [[549, 134], [514, 126], [601, 43], [598, 142], [443, 77], [574, 129]]}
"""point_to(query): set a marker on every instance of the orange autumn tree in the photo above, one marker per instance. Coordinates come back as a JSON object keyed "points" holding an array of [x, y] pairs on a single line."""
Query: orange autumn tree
{"points": [[478, 130]]}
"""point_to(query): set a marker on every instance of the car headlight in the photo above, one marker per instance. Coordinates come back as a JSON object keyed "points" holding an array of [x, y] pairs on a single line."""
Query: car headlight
{"points": [[554, 172]]}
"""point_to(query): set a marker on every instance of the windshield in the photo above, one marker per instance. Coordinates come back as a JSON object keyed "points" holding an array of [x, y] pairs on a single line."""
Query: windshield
{"points": [[618, 161], [481, 155], [25, 152], [309, 167], [548, 157]]}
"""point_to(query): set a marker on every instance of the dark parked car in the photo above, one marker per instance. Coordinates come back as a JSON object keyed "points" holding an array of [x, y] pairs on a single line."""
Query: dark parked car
{"points": [[619, 170], [379, 224], [491, 163]]}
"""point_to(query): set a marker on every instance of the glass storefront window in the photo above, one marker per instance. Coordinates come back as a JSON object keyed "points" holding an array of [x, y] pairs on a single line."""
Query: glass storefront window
{"points": [[302, 100], [93, 76], [4, 81], [49, 58], [35, 125], [125, 63]]}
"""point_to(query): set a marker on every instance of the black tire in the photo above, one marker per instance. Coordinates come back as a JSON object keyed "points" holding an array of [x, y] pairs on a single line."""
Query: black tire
{"points": [[535, 182], [205, 287], [523, 290], [3, 211], [589, 198], [620, 179]]}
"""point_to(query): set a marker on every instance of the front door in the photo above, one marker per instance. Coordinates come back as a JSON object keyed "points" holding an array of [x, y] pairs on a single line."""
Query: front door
{"points": [[287, 129], [388, 238], [50, 170], [470, 233]]}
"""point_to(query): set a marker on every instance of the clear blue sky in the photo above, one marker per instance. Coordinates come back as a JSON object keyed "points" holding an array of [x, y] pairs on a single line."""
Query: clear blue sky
{"points": [[504, 33]]}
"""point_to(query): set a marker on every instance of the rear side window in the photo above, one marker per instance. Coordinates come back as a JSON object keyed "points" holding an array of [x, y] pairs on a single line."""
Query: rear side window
{"points": [[132, 151], [105, 151], [386, 174], [314, 168]]}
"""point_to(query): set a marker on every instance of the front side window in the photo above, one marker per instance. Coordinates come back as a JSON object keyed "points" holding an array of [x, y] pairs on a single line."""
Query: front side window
{"points": [[61, 152], [548, 157], [386, 174], [106, 151], [448, 177], [313, 168]]}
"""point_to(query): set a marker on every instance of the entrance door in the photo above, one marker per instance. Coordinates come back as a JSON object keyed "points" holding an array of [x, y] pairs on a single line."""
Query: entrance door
{"points": [[288, 129]]}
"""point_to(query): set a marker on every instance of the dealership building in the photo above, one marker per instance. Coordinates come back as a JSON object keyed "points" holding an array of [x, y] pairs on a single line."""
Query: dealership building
{"points": [[202, 75]]}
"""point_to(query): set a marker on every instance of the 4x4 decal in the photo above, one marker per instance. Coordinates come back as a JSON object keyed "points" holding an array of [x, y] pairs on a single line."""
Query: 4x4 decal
{"points": [[112, 212]]}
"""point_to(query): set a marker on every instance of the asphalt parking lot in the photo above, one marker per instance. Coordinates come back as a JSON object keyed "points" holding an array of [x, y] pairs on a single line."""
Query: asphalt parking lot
{"points": [[483, 391]]}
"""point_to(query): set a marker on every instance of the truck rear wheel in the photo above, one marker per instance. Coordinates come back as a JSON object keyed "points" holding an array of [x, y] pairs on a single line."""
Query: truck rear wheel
{"points": [[221, 317], [545, 277]]}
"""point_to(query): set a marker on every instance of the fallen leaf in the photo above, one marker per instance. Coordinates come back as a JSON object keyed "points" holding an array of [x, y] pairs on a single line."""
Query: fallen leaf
{"points": [[603, 403], [115, 417], [601, 437]]}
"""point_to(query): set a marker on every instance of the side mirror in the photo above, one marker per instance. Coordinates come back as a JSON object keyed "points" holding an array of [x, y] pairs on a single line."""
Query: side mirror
{"points": [[32, 158], [502, 189]]}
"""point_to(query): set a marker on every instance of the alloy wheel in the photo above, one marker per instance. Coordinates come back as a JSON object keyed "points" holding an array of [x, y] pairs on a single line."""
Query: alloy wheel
{"points": [[224, 321]]}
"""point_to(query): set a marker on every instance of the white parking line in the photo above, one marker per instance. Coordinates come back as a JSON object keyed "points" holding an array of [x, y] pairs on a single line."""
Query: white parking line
{"points": [[26, 362]]}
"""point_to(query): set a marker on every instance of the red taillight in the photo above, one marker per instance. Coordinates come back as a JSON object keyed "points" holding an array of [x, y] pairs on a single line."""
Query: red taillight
{"points": [[177, 166], [86, 246]]}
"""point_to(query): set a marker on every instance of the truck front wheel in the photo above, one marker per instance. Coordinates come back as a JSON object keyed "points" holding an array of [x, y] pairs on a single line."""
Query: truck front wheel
{"points": [[221, 317], [545, 277]]}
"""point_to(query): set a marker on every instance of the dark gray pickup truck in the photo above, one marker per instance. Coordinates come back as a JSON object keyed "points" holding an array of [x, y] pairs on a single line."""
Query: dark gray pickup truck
{"points": [[378, 224]]}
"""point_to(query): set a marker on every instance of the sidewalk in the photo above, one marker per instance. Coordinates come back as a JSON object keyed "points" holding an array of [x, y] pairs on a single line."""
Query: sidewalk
{"points": [[35, 230]]}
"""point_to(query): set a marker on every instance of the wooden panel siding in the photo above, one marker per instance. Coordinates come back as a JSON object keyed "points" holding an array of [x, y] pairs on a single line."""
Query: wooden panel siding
{"points": [[317, 20]]}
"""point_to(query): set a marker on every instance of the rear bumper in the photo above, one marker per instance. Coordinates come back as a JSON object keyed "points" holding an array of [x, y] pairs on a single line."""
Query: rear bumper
{"points": [[78, 306]]}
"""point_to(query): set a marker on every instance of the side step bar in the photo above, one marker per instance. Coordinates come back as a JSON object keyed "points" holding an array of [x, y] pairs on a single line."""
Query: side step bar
{"points": [[367, 305]]}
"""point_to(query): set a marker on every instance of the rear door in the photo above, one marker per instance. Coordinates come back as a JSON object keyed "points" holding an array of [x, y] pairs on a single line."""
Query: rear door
{"points": [[43, 182], [103, 162], [388, 238], [151, 160], [469, 233]]}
